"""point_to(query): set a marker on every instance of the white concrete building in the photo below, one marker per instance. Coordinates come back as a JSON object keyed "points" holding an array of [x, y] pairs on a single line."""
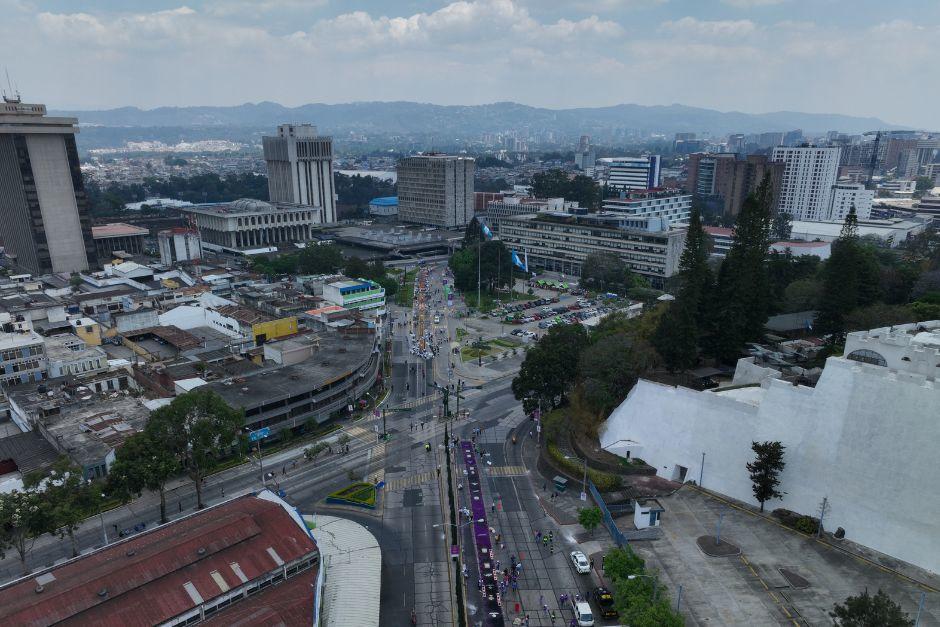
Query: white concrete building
{"points": [[671, 204], [809, 174], [865, 438], [300, 168], [848, 195], [247, 226], [179, 244], [626, 173], [69, 355], [22, 352], [889, 232]]}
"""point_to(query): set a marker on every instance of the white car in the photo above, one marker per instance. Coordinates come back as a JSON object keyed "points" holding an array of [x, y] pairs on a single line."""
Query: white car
{"points": [[528, 333], [583, 614], [581, 563], [437, 319]]}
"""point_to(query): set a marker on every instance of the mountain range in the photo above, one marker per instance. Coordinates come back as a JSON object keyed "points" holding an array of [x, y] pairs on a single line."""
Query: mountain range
{"points": [[455, 120]]}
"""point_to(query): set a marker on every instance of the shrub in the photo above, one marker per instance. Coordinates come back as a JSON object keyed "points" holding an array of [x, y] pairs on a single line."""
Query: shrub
{"points": [[603, 481]]}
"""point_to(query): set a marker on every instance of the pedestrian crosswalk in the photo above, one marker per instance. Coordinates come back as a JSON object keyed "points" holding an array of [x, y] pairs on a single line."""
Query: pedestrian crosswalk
{"points": [[355, 431], [407, 482], [505, 471]]}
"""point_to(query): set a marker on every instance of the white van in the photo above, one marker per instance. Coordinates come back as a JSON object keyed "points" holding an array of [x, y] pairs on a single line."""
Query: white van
{"points": [[583, 614]]}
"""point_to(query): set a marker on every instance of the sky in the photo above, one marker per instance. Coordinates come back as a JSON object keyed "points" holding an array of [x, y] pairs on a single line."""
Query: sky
{"points": [[856, 57]]}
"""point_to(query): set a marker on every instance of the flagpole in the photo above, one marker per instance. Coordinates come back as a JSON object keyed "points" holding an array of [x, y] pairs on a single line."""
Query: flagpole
{"points": [[479, 248]]}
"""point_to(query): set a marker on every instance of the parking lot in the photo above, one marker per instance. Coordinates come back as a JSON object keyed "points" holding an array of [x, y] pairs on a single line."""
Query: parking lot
{"points": [[750, 589]]}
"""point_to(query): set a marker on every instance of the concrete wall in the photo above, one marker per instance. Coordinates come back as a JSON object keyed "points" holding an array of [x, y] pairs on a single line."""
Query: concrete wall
{"points": [[60, 218], [863, 437]]}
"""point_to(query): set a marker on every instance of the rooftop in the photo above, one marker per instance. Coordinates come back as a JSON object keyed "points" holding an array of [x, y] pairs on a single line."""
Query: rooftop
{"points": [[117, 229], [84, 424], [337, 356], [174, 569]]}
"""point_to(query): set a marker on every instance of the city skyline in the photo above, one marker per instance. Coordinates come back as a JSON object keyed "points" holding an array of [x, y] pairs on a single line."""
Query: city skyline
{"points": [[730, 55]]}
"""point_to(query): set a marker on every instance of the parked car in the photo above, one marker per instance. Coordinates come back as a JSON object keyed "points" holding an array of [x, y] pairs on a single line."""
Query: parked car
{"points": [[580, 561], [605, 602], [583, 614]]}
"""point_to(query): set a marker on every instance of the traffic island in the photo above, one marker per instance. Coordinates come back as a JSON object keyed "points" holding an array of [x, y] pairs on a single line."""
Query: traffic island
{"points": [[356, 495], [720, 548]]}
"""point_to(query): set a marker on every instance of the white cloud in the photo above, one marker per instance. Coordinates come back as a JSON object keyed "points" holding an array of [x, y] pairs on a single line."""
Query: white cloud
{"points": [[709, 28], [469, 51], [749, 4]]}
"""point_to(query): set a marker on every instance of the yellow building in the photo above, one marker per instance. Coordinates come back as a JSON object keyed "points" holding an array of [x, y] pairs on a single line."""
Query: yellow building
{"points": [[88, 330], [269, 330]]}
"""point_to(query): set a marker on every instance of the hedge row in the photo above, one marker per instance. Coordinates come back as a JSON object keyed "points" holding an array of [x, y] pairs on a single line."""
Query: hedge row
{"points": [[604, 481]]}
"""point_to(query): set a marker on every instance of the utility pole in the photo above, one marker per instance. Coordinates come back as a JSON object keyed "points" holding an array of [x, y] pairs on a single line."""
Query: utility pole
{"points": [[261, 463], [822, 514], [701, 471], [718, 529]]}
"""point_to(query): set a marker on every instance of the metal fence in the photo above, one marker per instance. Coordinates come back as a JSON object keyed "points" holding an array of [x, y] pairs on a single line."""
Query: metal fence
{"points": [[615, 533]]}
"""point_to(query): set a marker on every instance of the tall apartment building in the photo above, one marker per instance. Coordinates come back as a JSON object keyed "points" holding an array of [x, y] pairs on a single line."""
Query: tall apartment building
{"points": [[809, 175], [848, 195], [44, 218], [300, 168], [723, 180], [436, 190]]}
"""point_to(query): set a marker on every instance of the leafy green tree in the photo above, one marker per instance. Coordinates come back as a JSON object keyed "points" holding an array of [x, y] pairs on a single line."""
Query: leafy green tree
{"points": [[23, 517], [604, 272], [782, 226], [879, 315], [201, 429], [850, 280], [865, 610], [802, 295], [68, 497], [742, 300], [590, 518], [609, 369], [357, 268], [556, 184], [619, 563], [547, 372], [923, 184], [550, 184], [312, 452], [679, 332], [585, 191], [320, 259], [765, 471], [143, 463]]}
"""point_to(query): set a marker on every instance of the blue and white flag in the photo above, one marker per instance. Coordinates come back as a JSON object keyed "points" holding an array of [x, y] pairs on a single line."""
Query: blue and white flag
{"points": [[487, 233], [518, 262]]}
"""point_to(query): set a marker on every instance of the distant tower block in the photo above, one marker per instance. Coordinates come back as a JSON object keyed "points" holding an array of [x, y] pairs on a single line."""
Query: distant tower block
{"points": [[300, 168]]}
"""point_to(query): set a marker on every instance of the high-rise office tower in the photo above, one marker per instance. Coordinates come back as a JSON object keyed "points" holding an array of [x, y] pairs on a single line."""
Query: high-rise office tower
{"points": [[722, 181], [809, 174], [300, 168], [44, 218], [626, 173], [436, 190]]}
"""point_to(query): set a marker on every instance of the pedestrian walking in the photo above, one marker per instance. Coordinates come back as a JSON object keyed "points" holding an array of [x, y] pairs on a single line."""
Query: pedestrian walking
{"points": [[592, 563], [223, 491]]}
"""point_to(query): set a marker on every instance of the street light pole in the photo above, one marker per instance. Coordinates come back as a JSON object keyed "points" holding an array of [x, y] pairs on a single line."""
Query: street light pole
{"points": [[104, 532]]}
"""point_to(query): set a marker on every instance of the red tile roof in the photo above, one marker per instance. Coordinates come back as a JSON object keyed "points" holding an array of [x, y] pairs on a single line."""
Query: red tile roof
{"points": [[288, 603], [718, 230], [143, 580]]}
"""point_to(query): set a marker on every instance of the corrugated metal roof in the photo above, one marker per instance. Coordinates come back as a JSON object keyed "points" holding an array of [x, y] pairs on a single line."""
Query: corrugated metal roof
{"points": [[152, 577], [352, 560]]}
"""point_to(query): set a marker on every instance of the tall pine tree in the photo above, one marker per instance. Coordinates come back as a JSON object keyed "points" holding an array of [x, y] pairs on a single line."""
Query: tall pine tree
{"points": [[677, 336], [850, 280], [742, 299]]}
